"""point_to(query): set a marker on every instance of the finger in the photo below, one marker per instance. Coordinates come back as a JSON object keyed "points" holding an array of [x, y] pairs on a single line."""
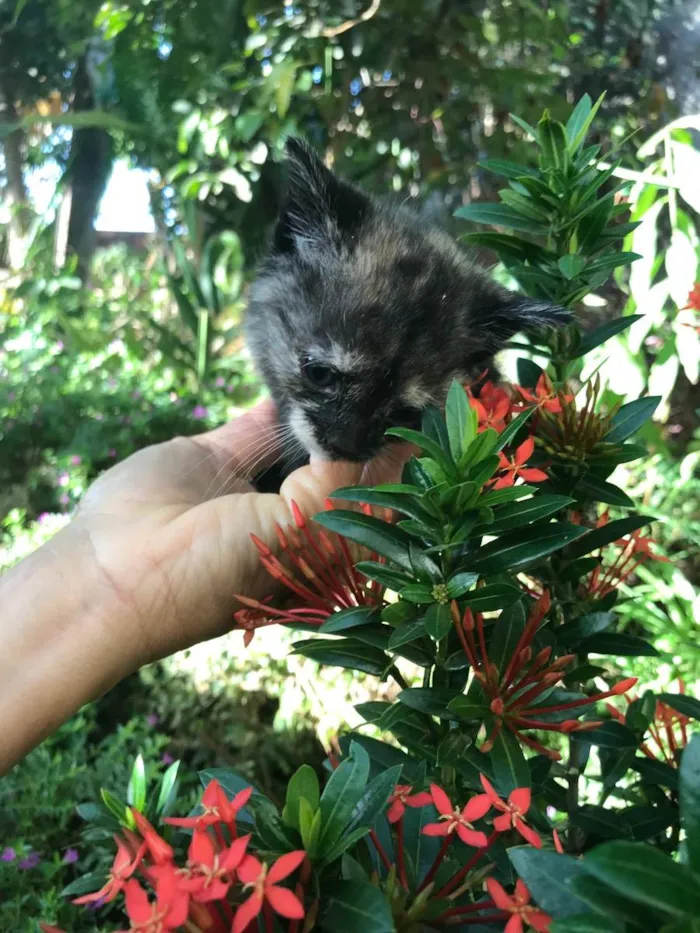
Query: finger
{"points": [[388, 466], [246, 439]]}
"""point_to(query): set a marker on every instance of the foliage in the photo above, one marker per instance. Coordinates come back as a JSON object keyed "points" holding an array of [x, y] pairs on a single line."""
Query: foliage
{"points": [[494, 605]]}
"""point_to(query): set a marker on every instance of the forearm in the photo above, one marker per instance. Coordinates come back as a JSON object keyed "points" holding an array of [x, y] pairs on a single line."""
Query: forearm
{"points": [[59, 650]]}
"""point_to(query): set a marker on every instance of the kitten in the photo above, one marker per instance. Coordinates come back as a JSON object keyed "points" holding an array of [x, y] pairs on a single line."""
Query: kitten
{"points": [[362, 314]]}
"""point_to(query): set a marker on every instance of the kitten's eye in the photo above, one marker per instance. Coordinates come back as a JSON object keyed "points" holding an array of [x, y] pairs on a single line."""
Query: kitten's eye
{"points": [[320, 375]]}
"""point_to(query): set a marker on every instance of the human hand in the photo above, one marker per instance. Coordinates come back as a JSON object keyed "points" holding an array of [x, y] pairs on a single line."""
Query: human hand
{"points": [[169, 528]]}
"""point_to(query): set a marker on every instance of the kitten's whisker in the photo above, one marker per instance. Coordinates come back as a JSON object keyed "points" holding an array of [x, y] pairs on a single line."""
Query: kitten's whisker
{"points": [[245, 470], [268, 443]]}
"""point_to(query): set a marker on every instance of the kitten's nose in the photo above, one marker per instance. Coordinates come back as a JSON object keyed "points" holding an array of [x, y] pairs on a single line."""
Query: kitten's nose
{"points": [[354, 443]]}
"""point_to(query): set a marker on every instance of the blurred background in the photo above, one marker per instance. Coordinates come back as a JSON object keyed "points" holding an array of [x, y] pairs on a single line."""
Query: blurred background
{"points": [[140, 169]]}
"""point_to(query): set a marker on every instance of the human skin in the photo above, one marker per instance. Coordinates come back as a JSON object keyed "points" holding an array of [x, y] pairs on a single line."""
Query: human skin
{"points": [[148, 566]]}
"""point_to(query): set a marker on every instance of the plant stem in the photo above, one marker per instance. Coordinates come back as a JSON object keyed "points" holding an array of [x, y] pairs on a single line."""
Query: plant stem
{"points": [[463, 872], [380, 849], [437, 863], [400, 861]]}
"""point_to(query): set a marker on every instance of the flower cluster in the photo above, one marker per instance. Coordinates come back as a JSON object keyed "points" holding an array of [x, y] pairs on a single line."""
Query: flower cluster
{"points": [[514, 694], [221, 888], [668, 732]]}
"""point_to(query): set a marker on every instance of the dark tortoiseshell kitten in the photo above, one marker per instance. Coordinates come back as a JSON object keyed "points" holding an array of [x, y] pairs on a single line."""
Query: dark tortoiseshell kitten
{"points": [[362, 314]]}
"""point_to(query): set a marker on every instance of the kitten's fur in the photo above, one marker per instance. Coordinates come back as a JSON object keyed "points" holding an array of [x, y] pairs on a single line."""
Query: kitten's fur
{"points": [[387, 303]]}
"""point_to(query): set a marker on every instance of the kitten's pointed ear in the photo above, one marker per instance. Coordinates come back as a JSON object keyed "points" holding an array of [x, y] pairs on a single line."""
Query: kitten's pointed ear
{"points": [[319, 208], [510, 313]]}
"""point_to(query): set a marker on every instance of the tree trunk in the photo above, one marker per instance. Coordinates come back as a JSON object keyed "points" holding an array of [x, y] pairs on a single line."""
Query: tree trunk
{"points": [[15, 193]]}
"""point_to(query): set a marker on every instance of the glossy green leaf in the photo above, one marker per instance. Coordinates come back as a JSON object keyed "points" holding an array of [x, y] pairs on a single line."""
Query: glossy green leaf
{"points": [[427, 444], [349, 618], [417, 593], [631, 417], [136, 791], [579, 122], [459, 584], [690, 800], [430, 700], [509, 494], [369, 531], [509, 765], [507, 169], [682, 703], [452, 748], [602, 334], [599, 537], [656, 772], [647, 875], [346, 653], [549, 878], [519, 514], [591, 487], [468, 709], [341, 794], [167, 793], [574, 632], [86, 884], [399, 502], [494, 596], [571, 265], [407, 633], [374, 800], [354, 907], [587, 923], [608, 903], [438, 621], [505, 635], [303, 784], [621, 644], [499, 215], [504, 438], [517, 550], [387, 576], [458, 417], [611, 735]]}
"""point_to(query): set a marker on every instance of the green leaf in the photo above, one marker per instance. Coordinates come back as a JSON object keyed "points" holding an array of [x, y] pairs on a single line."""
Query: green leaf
{"points": [[417, 593], [113, 804], [309, 826], [600, 335], [400, 502], [341, 794], [354, 907], [346, 653], [519, 514], [656, 772], [553, 142], [136, 791], [427, 444], [598, 821], [571, 265], [508, 169], [406, 633], [459, 584], [373, 801], [510, 494], [499, 215], [349, 618], [647, 875], [507, 246], [606, 902], [458, 417], [495, 596], [506, 633], [683, 704], [573, 633], [509, 765], [599, 537], [505, 437], [646, 822], [438, 621], [452, 748], [690, 800], [302, 785], [387, 576], [168, 790], [579, 122], [591, 487], [630, 418], [524, 125], [611, 734], [86, 884], [549, 877], [519, 549], [430, 700], [618, 643], [587, 923], [467, 709], [369, 531], [423, 566]]}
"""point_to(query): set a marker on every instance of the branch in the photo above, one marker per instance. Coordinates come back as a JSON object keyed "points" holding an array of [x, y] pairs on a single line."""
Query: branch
{"points": [[331, 31]]}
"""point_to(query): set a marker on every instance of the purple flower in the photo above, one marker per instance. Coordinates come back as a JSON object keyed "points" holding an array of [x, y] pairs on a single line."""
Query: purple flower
{"points": [[63, 479], [76, 460], [43, 518], [152, 719], [230, 388], [111, 452], [70, 856], [220, 382], [64, 499], [199, 412], [8, 854], [167, 758], [30, 861], [59, 345]]}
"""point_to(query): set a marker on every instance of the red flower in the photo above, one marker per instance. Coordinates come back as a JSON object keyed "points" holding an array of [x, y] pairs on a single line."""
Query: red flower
{"points": [[669, 731], [492, 407], [458, 821], [321, 573], [515, 466], [519, 907], [123, 867], [400, 799], [693, 299], [514, 811], [545, 396], [635, 549], [217, 808], [167, 912], [160, 851], [211, 873], [557, 842], [264, 880], [514, 691]]}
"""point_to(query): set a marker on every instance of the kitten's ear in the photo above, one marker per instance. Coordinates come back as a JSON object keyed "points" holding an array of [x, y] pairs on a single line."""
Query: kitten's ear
{"points": [[319, 207], [509, 313]]}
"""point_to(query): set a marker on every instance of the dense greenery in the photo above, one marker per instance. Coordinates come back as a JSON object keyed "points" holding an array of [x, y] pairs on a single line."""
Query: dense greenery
{"points": [[103, 352]]}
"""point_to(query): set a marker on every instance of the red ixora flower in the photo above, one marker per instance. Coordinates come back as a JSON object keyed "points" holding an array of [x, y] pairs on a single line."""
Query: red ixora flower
{"points": [[668, 731], [400, 799], [514, 467], [322, 576], [513, 811], [493, 406], [513, 693], [167, 912], [159, 849], [519, 907], [545, 396], [210, 873], [123, 867], [263, 881], [693, 299], [454, 820], [217, 808], [633, 550]]}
